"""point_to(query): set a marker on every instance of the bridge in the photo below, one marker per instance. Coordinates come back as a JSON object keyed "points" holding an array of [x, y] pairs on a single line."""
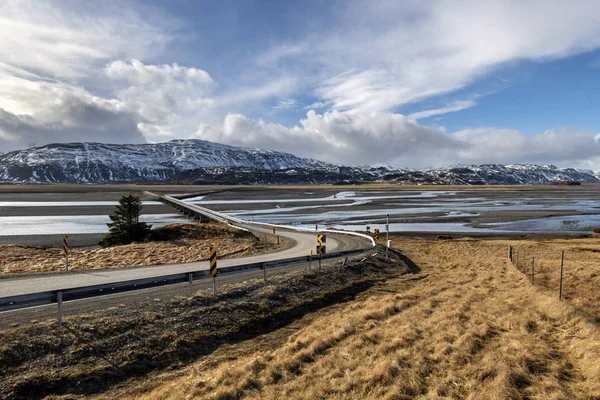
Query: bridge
{"points": [[196, 212]]}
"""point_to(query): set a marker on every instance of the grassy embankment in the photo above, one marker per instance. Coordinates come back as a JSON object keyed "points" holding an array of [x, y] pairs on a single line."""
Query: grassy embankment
{"points": [[469, 325], [171, 244], [92, 352]]}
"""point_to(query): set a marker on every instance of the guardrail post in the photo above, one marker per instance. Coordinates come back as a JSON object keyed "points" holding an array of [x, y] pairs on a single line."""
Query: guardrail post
{"points": [[264, 265], [190, 280], [59, 302]]}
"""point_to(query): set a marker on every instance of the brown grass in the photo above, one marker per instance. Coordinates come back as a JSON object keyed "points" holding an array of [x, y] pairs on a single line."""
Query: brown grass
{"points": [[192, 244], [469, 326]]}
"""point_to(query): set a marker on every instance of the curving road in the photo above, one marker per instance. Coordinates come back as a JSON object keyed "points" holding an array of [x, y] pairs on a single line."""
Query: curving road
{"points": [[302, 244]]}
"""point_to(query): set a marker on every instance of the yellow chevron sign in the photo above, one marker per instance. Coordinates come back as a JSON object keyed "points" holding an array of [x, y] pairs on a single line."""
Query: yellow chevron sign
{"points": [[321, 250], [212, 256], [376, 234], [321, 239], [65, 246]]}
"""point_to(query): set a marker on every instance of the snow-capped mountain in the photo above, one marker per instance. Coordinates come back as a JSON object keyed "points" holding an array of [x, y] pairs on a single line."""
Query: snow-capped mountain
{"points": [[97, 162], [202, 162], [494, 174]]}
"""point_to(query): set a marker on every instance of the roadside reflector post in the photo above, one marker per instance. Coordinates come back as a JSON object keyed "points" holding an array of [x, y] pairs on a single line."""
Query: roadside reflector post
{"points": [[66, 250], [387, 227], [562, 263], [309, 260], [265, 272], [316, 227], [510, 257], [212, 257], [59, 303], [273, 230], [277, 239], [524, 261], [190, 280], [532, 269]]}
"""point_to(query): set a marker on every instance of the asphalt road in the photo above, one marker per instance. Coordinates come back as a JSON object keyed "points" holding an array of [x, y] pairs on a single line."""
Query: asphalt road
{"points": [[138, 298], [303, 243]]}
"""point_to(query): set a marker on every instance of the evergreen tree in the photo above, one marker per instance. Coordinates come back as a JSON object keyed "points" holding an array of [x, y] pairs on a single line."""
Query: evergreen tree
{"points": [[125, 226]]}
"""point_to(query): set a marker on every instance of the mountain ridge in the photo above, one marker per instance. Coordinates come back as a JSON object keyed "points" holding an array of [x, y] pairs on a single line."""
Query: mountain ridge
{"points": [[199, 161]]}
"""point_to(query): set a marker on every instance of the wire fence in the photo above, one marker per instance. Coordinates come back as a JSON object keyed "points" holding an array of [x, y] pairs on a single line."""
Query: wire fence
{"points": [[572, 274]]}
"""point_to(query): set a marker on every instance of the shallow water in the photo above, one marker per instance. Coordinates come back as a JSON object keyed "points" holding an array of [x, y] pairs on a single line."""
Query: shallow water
{"points": [[72, 224]]}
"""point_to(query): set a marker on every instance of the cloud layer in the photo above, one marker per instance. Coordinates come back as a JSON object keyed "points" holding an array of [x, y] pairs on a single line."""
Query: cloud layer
{"points": [[102, 71], [388, 138]]}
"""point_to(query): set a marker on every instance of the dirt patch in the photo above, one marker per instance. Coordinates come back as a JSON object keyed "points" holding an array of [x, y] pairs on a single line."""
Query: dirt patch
{"points": [[171, 244], [92, 352]]}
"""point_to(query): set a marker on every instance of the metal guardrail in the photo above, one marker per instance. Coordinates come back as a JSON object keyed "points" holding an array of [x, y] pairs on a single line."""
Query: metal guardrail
{"points": [[57, 296]]}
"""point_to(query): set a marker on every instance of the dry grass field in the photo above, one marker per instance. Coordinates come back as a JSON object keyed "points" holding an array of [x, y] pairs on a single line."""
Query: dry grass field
{"points": [[469, 325], [192, 245]]}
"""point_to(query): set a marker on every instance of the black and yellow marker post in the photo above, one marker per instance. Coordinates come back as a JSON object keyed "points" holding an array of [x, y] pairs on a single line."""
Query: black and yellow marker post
{"points": [[376, 235], [212, 257], [321, 249], [66, 250]]}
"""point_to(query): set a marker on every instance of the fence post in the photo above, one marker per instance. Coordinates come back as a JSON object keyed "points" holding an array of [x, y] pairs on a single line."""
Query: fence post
{"points": [[532, 269], [59, 302], [562, 263]]}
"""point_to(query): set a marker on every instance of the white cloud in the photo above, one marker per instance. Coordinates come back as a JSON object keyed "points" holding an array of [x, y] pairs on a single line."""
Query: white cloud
{"points": [[52, 55], [171, 76], [166, 97], [384, 54], [63, 38], [285, 104], [451, 107], [387, 138]]}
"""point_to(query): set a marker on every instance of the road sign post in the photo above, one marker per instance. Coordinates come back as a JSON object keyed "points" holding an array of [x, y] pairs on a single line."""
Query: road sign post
{"points": [[212, 256], [66, 250], [321, 248]]}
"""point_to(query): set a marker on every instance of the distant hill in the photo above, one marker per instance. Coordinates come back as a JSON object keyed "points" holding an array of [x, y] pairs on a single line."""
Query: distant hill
{"points": [[199, 161]]}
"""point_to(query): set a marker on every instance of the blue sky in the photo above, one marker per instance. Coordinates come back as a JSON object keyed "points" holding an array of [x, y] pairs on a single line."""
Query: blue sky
{"points": [[411, 83]]}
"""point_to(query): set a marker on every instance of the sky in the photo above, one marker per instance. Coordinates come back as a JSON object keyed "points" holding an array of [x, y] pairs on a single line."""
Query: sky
{"points": [[414, 84]]}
